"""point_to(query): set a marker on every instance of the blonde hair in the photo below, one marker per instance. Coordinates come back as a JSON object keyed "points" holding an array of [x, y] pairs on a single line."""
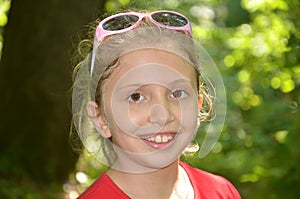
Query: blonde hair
{"points": [[88, 87]]}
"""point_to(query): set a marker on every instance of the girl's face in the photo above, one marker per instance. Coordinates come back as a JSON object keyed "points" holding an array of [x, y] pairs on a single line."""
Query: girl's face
{"points": [[150, 104]]}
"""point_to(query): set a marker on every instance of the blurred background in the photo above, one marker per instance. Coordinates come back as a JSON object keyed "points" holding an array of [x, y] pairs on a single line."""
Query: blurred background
{"points": [[255, 43]]}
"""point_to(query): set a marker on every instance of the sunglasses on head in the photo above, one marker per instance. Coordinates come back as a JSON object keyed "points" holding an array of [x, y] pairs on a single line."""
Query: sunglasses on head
{"points": [[123, 22]]}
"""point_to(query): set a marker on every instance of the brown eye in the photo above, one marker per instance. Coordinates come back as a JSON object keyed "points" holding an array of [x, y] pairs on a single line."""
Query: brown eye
{"points": [[178, 94], [136, 97]]}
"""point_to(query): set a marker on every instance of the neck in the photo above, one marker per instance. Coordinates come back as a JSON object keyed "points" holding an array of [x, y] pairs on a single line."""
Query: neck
{"points": [[155, 184]]}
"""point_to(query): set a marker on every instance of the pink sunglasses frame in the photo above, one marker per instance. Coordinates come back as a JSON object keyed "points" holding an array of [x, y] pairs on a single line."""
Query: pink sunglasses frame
{"points": [[101, 33]]}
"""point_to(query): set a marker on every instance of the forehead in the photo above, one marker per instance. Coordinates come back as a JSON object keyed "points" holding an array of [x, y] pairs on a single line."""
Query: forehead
{"points": [[150, 58]]}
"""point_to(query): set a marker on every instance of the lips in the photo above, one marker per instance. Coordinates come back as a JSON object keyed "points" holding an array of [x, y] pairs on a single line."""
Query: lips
{"points": [[160, 140]]}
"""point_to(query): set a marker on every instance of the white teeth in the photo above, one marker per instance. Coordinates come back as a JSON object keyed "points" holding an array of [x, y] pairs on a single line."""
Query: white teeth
{"points": [[160, 138], [165, 138]]}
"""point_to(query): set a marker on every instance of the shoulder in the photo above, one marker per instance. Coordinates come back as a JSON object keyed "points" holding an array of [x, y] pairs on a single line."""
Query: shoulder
{"points": [[103, 187], [208, 185]]}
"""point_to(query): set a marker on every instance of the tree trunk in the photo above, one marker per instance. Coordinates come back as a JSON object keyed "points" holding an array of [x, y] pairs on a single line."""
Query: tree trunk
{"points": [[35, 76]]}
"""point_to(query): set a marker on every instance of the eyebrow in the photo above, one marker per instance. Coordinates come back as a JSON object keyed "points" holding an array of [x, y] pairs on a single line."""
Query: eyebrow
{"points": [[183, 80], [137, 85], [132, 85]]}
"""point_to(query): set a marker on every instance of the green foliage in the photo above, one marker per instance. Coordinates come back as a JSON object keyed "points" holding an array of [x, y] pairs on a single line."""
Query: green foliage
{"points": [[4, 8], [25, 188], [256, 46]]}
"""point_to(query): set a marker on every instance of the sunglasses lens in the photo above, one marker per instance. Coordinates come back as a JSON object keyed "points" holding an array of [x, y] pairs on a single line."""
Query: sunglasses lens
{"points": [[169, 19], [120, 22]]}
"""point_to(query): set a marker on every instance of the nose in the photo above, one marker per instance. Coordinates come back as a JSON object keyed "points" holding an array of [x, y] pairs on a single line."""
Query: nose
{"points": [[161, 114]]}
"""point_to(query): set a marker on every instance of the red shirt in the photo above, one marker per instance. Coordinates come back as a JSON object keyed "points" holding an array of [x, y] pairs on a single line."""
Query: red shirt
{"points": [[205, 185]]}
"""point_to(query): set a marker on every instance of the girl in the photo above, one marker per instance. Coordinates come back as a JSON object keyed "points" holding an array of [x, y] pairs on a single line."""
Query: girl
{"points": [[137, 103]]}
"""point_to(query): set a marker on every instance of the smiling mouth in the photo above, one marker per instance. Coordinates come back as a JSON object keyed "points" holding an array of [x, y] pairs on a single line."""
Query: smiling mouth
{"points": [[159, 140]]}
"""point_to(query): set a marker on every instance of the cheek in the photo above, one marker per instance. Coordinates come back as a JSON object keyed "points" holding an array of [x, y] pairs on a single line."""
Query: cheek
{"points": [[189, 114], [138, 114], [122, 118]]}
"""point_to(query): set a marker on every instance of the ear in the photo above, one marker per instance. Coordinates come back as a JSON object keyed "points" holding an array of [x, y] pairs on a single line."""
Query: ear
{"points": [[98, 119], [200, 102]]}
